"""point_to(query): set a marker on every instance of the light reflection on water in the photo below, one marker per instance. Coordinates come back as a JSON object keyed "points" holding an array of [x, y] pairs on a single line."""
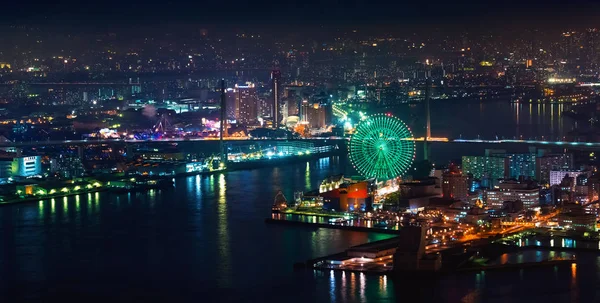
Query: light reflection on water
{"points": [[118, 246], [551, 284]]}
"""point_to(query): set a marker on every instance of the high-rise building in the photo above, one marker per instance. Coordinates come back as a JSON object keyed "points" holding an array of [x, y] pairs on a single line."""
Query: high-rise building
{"points": [[304, 110], [521, 165], [556, 176], [547, 163], [246, 103], [230, 96], [317, 114], [275, 83], [454, 184], [490, 168], [526, 192]]}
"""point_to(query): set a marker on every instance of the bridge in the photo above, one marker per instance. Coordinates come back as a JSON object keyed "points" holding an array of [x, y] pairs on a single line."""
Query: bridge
{"points": [[572, 144], [165, 140]]}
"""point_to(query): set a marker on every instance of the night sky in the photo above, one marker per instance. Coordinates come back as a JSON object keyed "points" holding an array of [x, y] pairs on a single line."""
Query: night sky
{"points": [[265, 12]]}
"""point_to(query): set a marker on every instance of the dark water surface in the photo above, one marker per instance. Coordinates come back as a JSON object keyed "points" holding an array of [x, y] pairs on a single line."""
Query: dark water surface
{"points": [[206, 241]]}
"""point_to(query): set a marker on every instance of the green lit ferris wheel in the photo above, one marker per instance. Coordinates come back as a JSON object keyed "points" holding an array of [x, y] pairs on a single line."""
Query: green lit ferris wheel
{"points": [[382, 147]]}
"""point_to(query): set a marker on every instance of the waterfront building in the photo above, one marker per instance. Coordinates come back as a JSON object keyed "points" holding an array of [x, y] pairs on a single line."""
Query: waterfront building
{"points": [[455, 185], [527, 192], [575, 217], [331, 183], [162, 155], [294, 147], [350, 196], [20, 166], [67, 167]]}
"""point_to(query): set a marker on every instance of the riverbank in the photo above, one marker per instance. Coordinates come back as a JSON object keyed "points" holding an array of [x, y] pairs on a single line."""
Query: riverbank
{"points": [[50, 197]]}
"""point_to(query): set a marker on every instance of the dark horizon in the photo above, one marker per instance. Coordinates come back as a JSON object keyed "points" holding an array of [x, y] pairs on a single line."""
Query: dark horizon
{"points": [[466, 15]]}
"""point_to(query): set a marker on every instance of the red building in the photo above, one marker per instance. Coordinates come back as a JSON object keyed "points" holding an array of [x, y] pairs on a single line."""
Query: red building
{"points": [[350, 196]]}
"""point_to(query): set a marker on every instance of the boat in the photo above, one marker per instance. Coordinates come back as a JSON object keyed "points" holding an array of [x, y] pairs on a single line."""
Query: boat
{"points": [[280, 203], [338, 220]]}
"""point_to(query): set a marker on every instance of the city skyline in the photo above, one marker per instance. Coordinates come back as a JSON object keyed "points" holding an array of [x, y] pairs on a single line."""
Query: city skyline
{"points": [[305, 151]]}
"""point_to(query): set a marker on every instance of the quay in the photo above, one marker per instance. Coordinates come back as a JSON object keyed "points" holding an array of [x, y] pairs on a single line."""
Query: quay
{"points": [[49, 197], [379, 257], [332, 226]]}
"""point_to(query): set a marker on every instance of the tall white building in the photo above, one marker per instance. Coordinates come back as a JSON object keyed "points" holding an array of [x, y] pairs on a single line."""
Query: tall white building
{"points": [[20, 166], [556, 176], [512, 191]]}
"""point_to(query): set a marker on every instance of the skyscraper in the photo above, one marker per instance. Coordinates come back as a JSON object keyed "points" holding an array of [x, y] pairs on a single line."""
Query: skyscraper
{"points": [[522, 165], [231, 95], [275, 82], [547, 163], [245, 103], [454, 184], [485, 167]]}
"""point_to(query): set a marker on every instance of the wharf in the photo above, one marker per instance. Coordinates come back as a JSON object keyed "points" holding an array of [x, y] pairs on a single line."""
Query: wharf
{"points": [[518, 266], [333, 226], [313, 213]]}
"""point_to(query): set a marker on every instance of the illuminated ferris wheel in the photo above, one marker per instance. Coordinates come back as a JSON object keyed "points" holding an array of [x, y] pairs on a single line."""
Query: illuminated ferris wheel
{"points": [[382, 147]]}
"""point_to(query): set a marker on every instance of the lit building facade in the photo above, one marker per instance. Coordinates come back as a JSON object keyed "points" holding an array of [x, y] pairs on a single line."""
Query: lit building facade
{"points": [[521, 165], [556, 176], [455, 185], [276, 90], [20, 166], [244, 102], [67, 167], [350, 196], [512, 191], [317, 115], [547, 163], [485, 167]]}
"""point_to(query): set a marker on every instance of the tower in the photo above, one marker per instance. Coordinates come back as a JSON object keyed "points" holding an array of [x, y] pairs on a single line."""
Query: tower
{"points": [[275, 79], [428, 117], [223, 118], [246, 103]]}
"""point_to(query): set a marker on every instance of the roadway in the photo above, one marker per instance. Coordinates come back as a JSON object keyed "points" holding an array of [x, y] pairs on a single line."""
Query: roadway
{"points": [[237, 139], [135, 141]]}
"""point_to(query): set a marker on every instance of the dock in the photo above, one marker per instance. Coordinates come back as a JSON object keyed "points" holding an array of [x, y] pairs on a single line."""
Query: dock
{"points": [[333, 226]]}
